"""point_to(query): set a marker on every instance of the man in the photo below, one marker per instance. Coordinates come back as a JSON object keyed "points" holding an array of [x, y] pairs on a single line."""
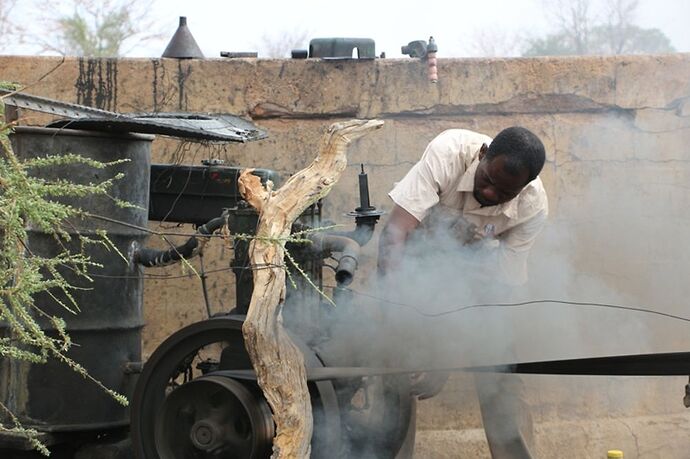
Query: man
{"points": [[488, 192]]}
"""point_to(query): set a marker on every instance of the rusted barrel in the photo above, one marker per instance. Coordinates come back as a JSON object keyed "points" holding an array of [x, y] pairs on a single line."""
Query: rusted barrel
{"points": [[107, 331]]}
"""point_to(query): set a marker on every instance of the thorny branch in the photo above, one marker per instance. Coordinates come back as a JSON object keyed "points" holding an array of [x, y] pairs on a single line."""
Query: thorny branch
{"points": [[28, 201]]}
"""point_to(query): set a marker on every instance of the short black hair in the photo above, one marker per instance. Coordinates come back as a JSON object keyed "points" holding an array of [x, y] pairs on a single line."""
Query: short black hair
{"points": [[522, 148]]}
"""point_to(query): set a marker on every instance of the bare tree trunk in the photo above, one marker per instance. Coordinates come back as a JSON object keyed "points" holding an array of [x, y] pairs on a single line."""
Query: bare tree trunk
{"points": [[278, 362]]}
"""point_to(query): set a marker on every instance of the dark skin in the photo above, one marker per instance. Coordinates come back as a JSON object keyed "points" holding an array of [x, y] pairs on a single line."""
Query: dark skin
{"points": [[493, 185]]}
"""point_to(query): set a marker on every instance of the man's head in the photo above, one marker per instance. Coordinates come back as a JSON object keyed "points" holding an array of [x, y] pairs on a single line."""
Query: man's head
{"points": [[514, 158]]}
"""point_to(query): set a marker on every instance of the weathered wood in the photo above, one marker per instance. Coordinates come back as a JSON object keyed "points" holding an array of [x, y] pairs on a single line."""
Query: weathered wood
{"points": [[278, 362]]}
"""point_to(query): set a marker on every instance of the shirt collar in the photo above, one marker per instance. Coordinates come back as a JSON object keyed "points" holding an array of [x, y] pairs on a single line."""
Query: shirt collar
{"points": [[466, 185], [467, 179]]}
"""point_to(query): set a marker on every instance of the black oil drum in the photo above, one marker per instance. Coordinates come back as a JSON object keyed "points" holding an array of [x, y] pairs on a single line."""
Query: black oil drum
{"points": [[107, 330]]}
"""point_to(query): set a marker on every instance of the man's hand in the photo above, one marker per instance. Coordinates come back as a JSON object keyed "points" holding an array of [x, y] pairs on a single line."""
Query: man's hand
{"points": [[473, 234], [469, 233]]}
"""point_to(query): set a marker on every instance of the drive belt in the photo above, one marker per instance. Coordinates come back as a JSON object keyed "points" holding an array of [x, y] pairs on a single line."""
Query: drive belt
{"points": [[662, 364]]}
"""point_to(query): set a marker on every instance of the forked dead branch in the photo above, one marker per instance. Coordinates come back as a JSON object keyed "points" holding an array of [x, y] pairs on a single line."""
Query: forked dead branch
{"points": [[278, 362]]}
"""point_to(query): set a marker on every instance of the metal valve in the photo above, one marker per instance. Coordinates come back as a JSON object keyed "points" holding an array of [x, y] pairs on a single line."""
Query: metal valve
{"points": [[422, 50]]}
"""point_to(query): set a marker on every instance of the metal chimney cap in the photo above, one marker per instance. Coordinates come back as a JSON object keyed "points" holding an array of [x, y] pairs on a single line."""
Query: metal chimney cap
{"points": [[183, 45]]}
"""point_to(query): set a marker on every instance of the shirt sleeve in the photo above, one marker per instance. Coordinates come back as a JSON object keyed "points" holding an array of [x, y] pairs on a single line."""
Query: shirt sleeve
{"points": [[515, 246], [420, 189]]}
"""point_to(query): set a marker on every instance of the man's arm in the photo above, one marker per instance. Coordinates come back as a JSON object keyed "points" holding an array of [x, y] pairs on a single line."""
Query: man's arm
{"points": [[393, 238], [418, 192], [515, 246]]}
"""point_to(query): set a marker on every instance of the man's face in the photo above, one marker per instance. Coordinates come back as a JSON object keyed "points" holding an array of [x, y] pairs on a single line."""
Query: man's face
{"points": [[494, 185]]}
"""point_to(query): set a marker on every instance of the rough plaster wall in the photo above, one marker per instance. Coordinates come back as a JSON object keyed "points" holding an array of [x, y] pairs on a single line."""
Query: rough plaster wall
{"points": [[622, 122]]}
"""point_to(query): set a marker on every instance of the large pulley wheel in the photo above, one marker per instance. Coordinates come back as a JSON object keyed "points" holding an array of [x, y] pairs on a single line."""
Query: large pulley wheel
{"points": [[181, 409], [214, 417]]}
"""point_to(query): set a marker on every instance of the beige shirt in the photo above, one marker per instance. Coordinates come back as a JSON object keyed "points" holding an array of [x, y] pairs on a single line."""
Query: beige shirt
{"points": [[443, 181]]}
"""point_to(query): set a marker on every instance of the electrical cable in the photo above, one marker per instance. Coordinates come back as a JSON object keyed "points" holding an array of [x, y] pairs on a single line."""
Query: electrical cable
{"points": [[182, 276], [459, 309]]}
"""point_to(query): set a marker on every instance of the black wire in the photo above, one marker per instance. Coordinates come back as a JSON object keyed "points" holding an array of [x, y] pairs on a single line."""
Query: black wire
{"points": [[147, 230], [181, 193], [429, 314], [182, 276], [518, 304], [572, 303]]}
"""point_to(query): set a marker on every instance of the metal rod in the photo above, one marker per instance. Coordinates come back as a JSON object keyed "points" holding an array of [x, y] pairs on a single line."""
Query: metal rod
{"points": [[202, 275]]}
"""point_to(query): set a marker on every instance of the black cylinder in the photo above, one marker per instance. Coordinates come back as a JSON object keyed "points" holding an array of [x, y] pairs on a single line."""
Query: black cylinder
{"points": [[52, 397], [364, 190]]}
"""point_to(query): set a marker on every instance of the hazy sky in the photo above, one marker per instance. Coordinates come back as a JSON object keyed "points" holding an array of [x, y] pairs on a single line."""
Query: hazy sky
{"points": [[239, 26]]}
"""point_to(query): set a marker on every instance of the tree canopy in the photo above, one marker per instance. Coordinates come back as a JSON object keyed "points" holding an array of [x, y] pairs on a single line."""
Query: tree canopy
{"points": [[579, 32], [103, 37]]}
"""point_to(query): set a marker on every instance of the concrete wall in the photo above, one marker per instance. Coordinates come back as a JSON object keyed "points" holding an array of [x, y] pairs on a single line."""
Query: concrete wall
{"points": [[617, 131]]}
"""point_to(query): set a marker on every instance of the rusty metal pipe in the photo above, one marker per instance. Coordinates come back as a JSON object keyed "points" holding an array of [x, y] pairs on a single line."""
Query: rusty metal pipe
{"points": [[156, 258], [431, 50], [364, 230], [349, 258]]}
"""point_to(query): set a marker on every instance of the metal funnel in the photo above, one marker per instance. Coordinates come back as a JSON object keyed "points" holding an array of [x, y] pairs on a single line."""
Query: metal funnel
{"points": [[183, 45]]}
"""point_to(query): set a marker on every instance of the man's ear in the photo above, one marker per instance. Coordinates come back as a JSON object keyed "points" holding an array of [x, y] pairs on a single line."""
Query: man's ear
{"points": [[482, 151]]}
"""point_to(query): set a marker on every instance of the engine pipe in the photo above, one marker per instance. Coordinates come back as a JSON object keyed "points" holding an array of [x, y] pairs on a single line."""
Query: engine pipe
{"points": [[156, 258], [364, 230], [349, 259]]}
